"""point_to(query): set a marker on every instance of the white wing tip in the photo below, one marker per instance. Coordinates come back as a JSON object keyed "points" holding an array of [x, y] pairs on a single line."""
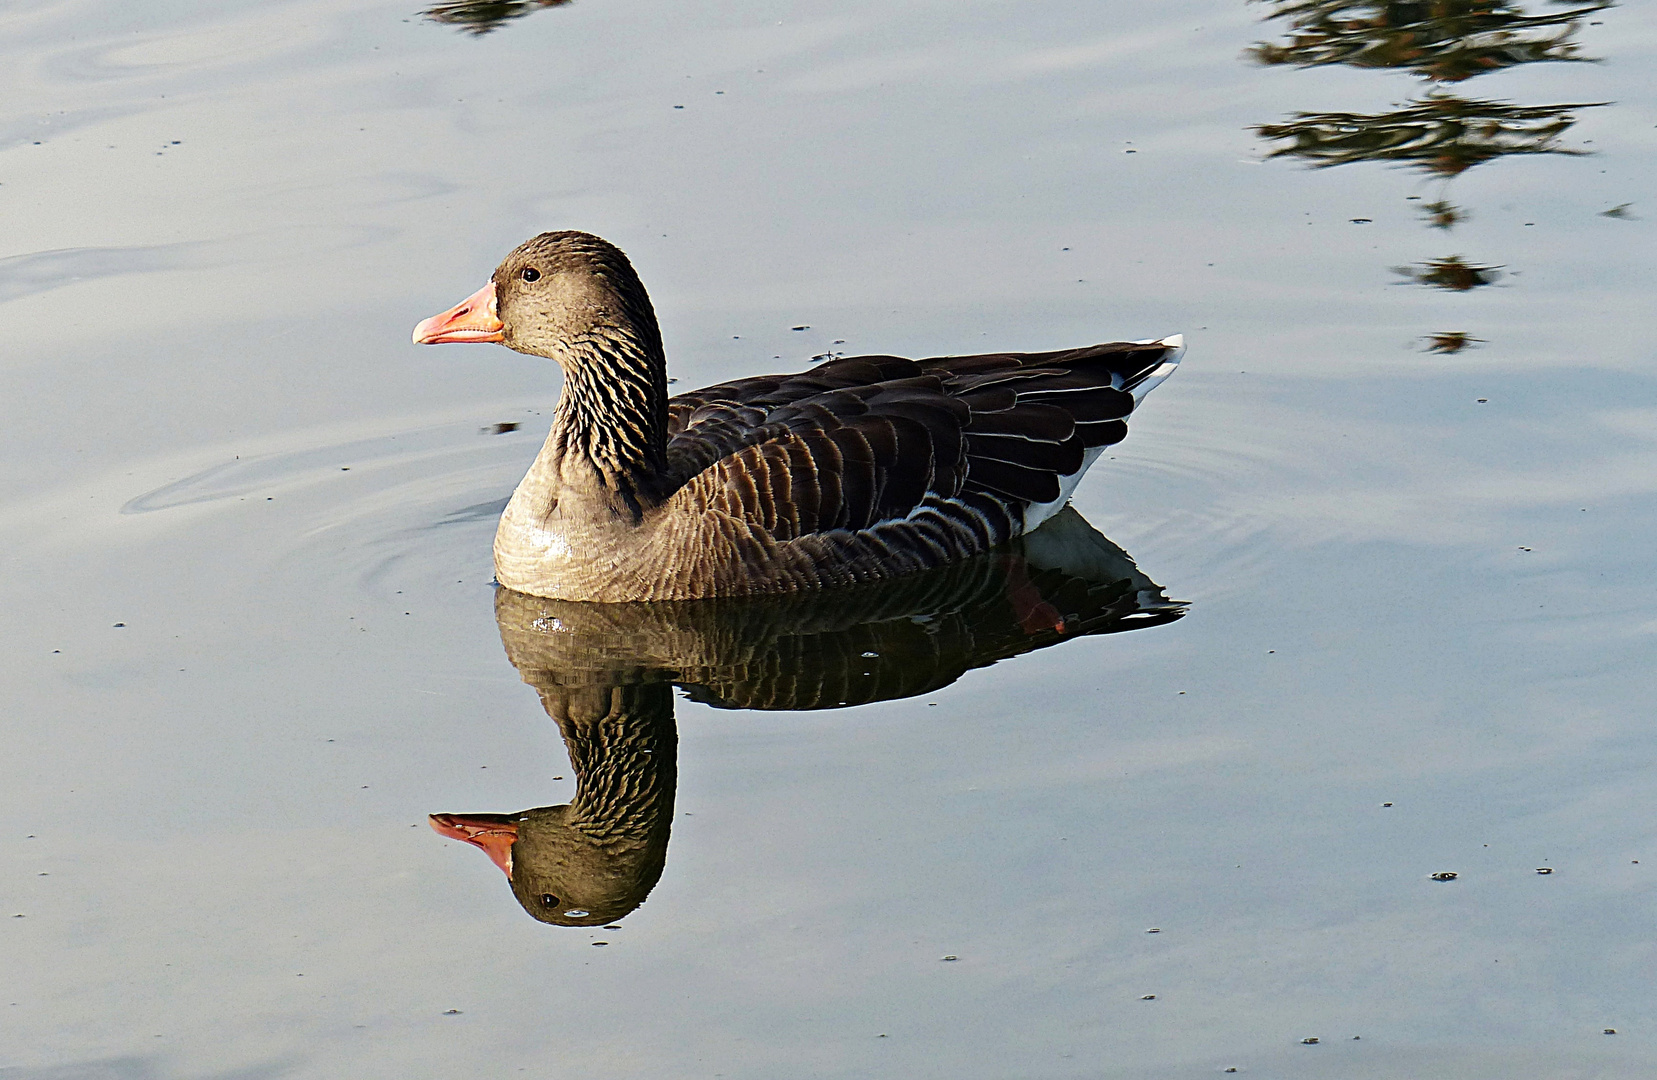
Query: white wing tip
{"points": [[1176, 346]]}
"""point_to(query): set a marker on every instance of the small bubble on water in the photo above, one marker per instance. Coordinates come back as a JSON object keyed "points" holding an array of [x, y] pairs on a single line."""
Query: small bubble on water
{"points": [[575, 913], [1311, 1040], [951, 956]]}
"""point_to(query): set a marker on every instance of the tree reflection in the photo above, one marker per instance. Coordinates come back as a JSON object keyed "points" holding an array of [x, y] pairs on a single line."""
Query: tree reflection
{"points": [[1438, 133], [478, 17], [1452, 273], [606, 675], [1441, 40], [1453, 342]]}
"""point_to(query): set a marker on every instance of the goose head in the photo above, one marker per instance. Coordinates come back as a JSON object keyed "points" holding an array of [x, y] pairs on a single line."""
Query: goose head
{"points": [[561, 295]]}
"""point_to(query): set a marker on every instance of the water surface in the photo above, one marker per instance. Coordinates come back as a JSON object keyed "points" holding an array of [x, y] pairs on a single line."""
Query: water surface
{"points": [[252, 642]]}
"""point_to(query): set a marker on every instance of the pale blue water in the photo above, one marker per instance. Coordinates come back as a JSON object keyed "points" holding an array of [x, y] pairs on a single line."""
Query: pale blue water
{"points": [[214, 816]]}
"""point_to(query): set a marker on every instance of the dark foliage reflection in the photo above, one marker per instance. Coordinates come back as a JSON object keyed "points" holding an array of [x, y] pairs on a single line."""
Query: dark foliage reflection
{"points": [[1441, 40], [1438, 133], [482, 16], [1454, 274], [1453, 342], [606, 675]]}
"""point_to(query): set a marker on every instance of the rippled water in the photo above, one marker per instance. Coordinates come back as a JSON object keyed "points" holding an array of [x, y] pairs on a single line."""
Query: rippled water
{"points": [[252, 644]]}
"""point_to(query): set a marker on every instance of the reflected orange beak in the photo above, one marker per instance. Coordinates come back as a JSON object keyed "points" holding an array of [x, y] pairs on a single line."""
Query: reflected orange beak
{"points": [[493, 833], [473, 319]]}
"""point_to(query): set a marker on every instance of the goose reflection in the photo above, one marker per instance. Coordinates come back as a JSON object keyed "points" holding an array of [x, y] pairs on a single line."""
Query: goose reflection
{"points": [[1439, 133], [606, 675]]}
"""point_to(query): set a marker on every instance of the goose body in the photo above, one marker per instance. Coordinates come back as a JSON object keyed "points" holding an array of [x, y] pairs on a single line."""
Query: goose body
{"points": [[859, 469]]}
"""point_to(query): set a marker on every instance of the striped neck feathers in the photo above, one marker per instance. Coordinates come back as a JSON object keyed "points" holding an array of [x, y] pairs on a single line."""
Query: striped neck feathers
{"points": [[612, 415]]}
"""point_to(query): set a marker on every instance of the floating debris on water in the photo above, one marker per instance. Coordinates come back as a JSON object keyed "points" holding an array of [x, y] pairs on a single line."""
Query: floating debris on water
{"points": [[499, 429], [1309, 1041], [951, 956], [1619, 212], [1445, 875], [1147, 997], [1544, 869]]}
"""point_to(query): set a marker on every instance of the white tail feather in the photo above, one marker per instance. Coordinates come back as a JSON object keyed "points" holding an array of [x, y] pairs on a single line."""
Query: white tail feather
{"points": [[1036, 513]]}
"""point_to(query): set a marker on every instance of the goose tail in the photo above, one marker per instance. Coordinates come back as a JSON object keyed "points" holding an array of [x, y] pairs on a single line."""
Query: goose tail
{"points": [[1154, 377]]}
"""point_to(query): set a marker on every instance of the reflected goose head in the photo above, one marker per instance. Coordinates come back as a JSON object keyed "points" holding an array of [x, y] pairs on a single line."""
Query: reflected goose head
{"points": [[595, 858], [559, 872]]}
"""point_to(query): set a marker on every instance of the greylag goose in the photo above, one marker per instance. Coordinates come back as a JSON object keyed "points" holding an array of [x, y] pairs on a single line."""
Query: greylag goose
{"points": [[859, 469], [606, 675]]}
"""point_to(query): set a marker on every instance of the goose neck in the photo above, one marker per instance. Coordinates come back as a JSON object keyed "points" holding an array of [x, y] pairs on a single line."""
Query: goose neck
{"points": [[611, 425]]}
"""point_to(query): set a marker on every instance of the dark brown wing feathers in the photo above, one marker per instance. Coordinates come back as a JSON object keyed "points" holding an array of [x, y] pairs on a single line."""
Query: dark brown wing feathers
{"points": [[950, 447]]}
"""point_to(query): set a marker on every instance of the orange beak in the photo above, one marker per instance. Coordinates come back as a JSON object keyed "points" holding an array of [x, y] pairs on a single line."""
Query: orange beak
{"points": [[473, 319], [493, 833]]}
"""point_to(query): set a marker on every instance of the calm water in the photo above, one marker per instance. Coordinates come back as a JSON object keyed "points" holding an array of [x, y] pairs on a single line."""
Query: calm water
{"points": [[251, 643]]}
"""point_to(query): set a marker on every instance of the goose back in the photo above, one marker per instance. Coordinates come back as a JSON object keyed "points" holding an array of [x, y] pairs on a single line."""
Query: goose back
{"points": [[871, 466]]}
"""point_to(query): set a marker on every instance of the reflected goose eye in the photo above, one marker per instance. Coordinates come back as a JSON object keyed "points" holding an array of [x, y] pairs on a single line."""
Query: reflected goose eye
{"points": [[531, 274], [549, 900]]}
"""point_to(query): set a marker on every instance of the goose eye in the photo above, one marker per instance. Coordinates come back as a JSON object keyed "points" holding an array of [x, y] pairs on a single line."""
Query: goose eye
{"points": [[531, 274], [549, 900]]}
